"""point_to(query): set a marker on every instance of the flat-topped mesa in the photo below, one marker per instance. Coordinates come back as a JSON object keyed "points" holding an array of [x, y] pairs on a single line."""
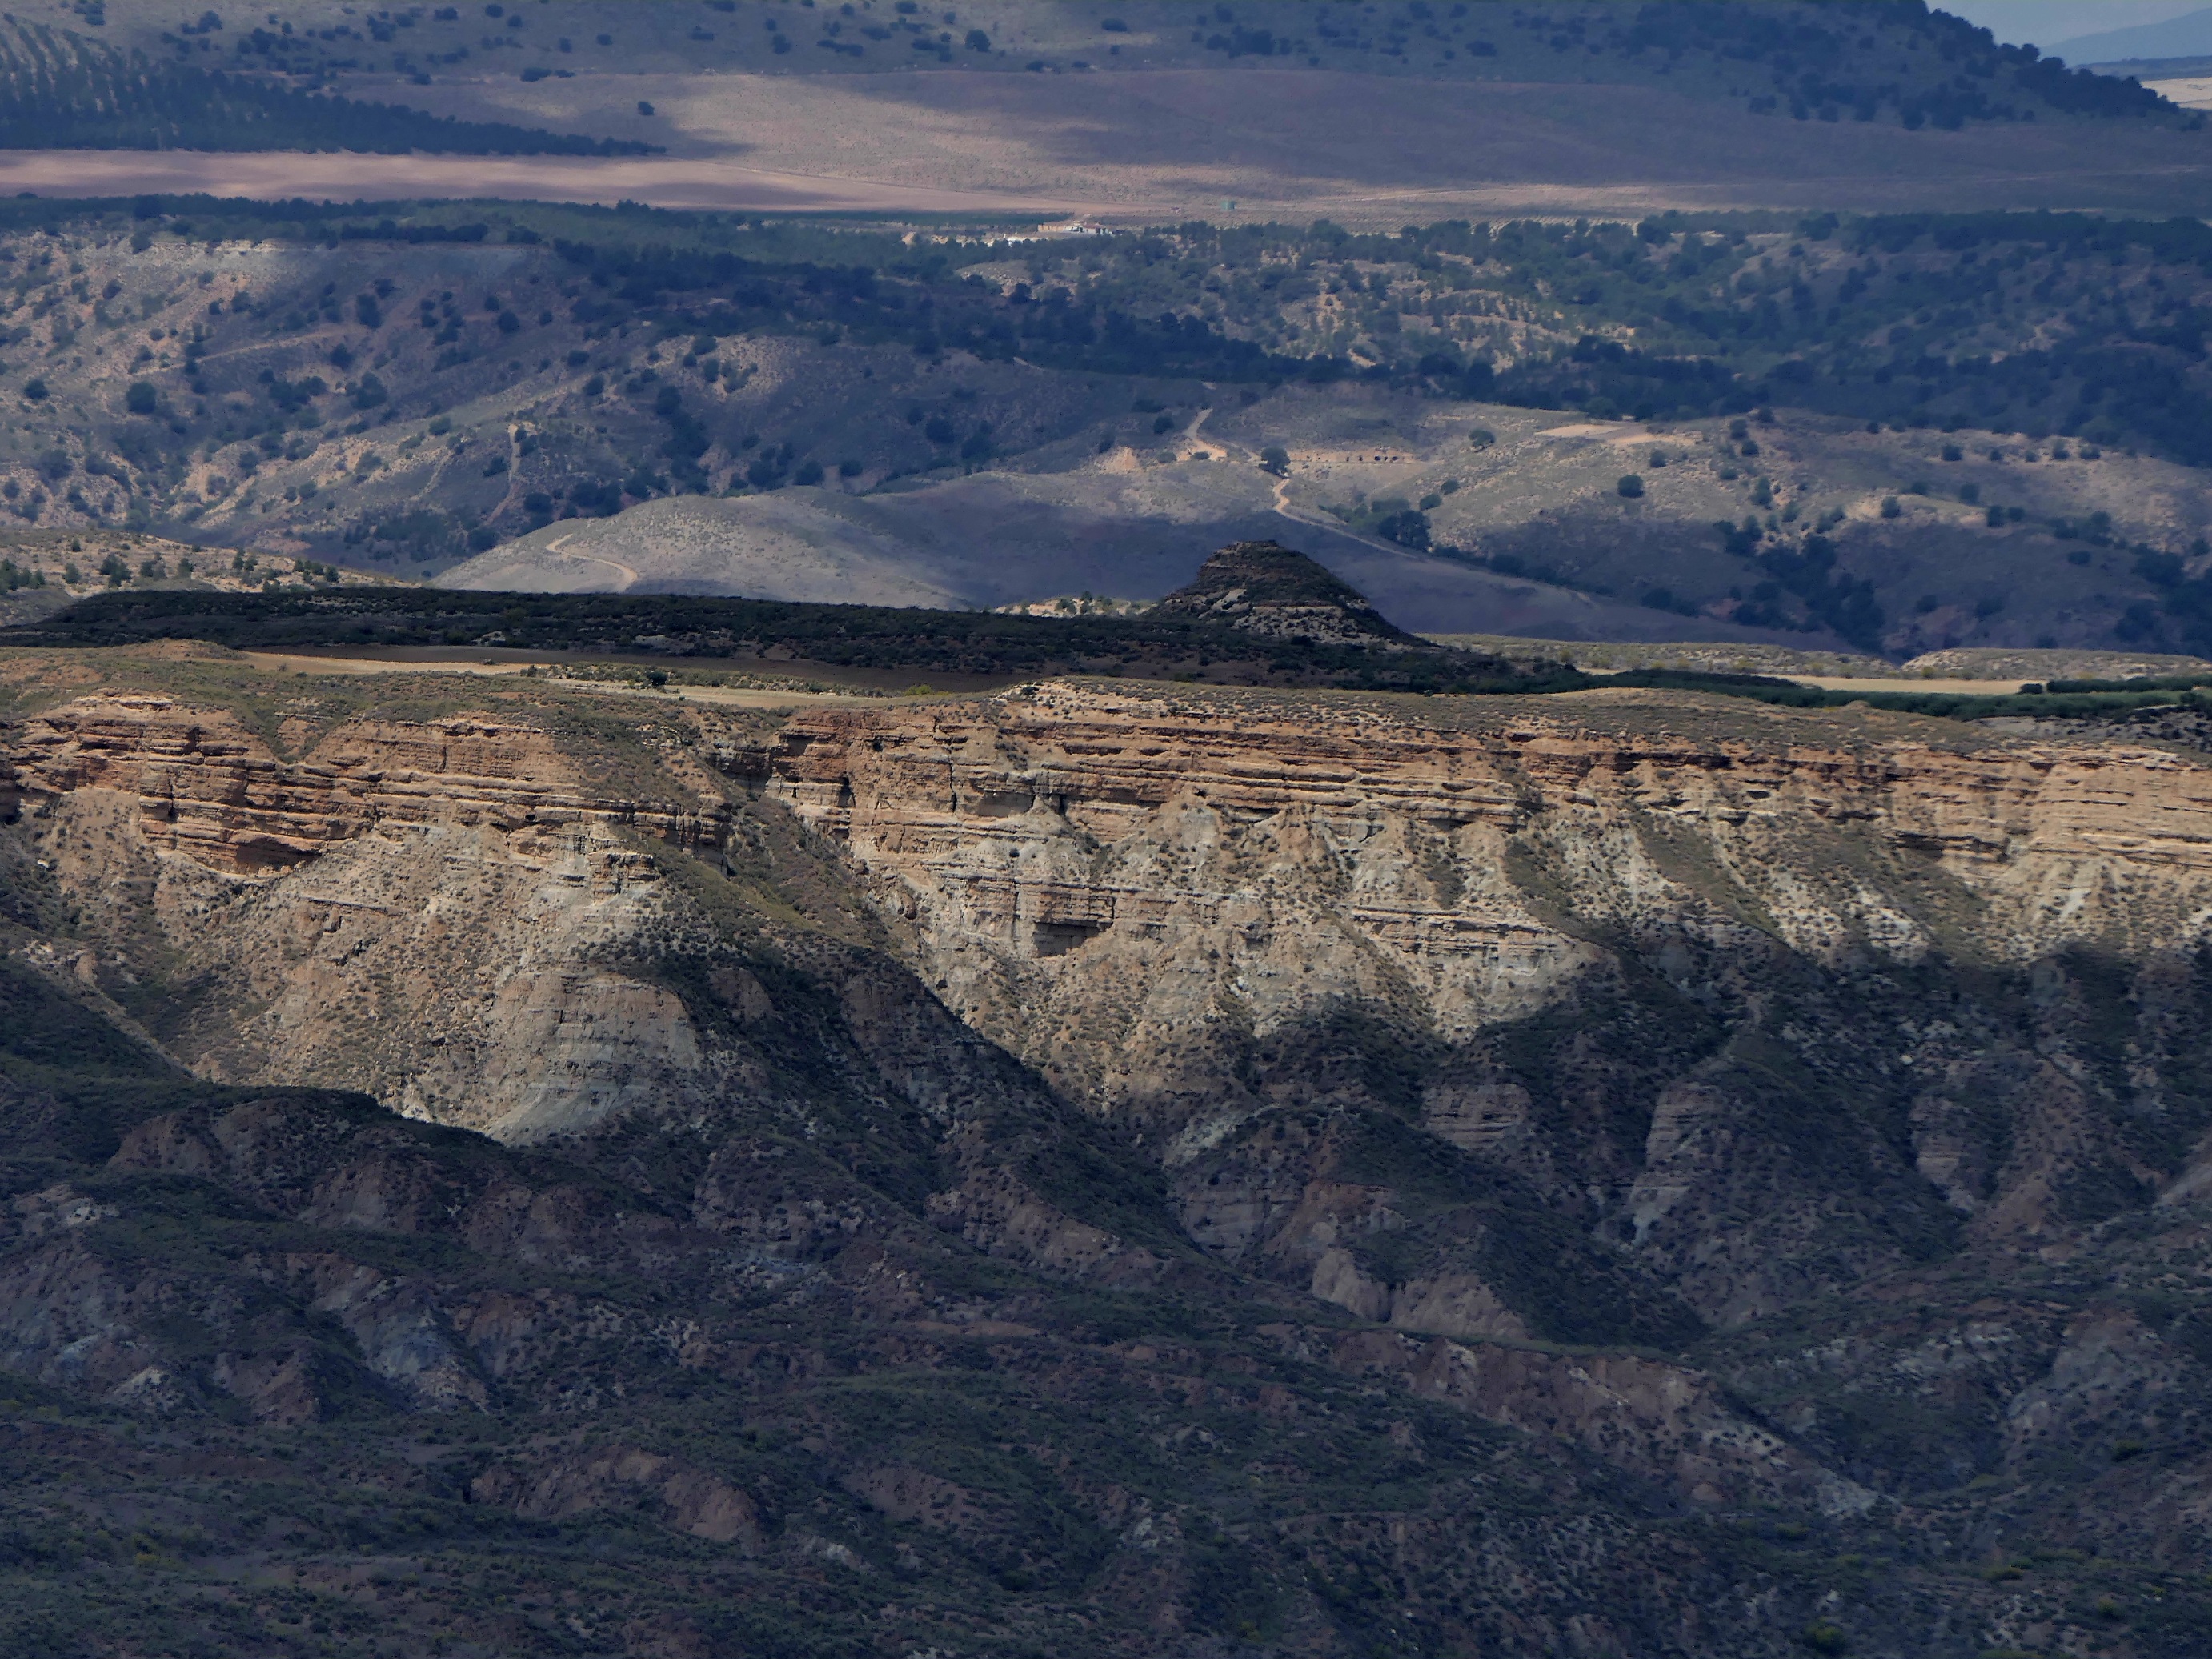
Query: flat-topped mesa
{"points": [[1265, 588]]}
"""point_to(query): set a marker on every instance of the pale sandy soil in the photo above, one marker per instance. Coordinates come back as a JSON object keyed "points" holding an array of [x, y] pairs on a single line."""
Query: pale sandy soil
{"points": [[2195, 93], [1138, 145], [1965, 687]]}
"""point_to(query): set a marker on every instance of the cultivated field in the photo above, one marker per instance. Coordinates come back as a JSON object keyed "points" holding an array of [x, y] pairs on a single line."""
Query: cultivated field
{"points": [[1167, 145]]}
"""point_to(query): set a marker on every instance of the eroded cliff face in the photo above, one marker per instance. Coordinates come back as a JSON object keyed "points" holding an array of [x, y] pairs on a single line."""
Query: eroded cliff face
{"points": [[454, 888], [1685, 990], [1781, 1109], [1767, 1002], [205, 786], [473, 921]]}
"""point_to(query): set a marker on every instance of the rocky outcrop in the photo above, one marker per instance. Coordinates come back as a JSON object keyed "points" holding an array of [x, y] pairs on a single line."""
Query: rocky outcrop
{"points": [[1605, 1021], [1070, 856], [418, 909], [463, 918], [1686, 1108], [584, 1482], [1640, 1413], [1265, 588]]}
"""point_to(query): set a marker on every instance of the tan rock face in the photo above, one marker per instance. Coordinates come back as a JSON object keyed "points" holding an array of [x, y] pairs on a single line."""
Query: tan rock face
{"points": [[464, 919], [1083, 865], [1574, 939], [410, 908], [207, 787]]}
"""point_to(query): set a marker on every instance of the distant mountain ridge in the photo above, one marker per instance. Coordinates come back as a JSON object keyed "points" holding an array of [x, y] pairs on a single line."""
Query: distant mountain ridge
{"points": [[2188, 36]]}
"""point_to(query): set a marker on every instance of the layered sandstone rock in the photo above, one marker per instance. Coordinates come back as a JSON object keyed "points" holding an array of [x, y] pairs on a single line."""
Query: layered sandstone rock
{"points": [[1557, 1034], [464, 918], [1179, 907], [1067, 852], [1176, 906], [207, 787], [410, 908]]}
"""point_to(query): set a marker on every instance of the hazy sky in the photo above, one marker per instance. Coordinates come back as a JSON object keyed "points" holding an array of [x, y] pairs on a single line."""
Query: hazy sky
{"points": [[2043, 21]]}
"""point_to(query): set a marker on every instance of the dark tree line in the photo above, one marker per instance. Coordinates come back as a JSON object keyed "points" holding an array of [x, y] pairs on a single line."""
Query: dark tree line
{"points": [[59, 91]]}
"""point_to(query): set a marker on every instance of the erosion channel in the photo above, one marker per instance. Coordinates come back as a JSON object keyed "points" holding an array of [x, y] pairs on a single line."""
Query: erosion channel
{"points": [[1132, 1165]]}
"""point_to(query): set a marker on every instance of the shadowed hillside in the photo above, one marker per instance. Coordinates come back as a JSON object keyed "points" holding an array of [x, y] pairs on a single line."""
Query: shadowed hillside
{"points": [[1128, 1167]]}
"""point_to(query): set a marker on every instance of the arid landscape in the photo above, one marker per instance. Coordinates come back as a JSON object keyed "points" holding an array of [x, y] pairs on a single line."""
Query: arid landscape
{"points": [[477, 407], [1159, 146], [1283, 1057], [865, 831]]}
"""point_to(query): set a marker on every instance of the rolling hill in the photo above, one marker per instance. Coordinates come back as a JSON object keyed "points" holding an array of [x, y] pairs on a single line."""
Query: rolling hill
{"points": [[1148, 115], [1978, 430]]}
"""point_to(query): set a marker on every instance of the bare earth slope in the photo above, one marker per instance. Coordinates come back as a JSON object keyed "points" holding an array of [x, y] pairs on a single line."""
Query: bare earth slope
{"points": [[1825, 1081], [796, 544], [996, 538], [1558, 552]]}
